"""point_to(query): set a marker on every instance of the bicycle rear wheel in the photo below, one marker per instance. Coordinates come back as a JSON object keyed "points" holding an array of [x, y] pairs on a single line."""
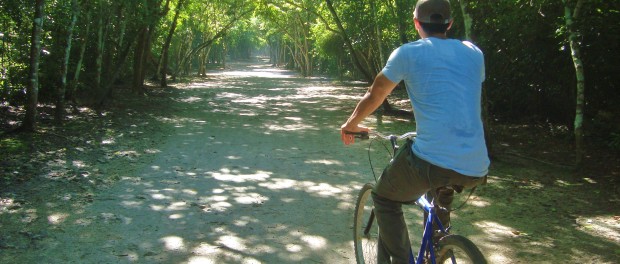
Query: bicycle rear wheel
{"points": [[365, 228], [462, 249]]}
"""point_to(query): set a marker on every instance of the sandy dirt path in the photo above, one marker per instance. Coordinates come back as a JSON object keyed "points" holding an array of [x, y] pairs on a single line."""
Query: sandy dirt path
{"points": [[253, 172]]}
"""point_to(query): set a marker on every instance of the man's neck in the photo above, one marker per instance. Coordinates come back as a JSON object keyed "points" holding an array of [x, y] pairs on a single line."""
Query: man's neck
{"points": [[438, 35]]}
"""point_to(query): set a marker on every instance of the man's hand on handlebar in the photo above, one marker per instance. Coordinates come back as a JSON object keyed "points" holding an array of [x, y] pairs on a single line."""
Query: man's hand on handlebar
{"points": [[348, 133]]}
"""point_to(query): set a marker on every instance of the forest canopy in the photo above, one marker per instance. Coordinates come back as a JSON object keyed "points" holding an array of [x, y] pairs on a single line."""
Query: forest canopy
{"points": [[548, 62]]}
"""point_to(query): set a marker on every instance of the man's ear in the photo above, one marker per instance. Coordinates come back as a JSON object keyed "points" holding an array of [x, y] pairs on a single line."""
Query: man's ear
{"points": [[450, 26], [416, 23]]}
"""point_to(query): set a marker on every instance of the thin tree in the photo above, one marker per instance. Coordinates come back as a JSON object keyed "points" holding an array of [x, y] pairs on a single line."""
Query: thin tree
{"points": [[60, 93], [33, 77], [367, 76], [99, 55], [78, 68], [467, 20], [570, 15], [164, 66]]}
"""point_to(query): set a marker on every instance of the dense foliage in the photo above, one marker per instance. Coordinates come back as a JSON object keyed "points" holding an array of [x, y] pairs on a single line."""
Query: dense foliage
{"points": [[531, 75]]}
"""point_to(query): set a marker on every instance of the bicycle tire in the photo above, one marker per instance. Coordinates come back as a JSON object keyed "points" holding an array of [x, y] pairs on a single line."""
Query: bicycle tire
{"points": [[365, 228], [461, 248]]}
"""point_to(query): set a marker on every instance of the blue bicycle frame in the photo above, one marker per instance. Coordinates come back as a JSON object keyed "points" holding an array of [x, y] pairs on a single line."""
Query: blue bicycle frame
{"points": [[427, 238]]}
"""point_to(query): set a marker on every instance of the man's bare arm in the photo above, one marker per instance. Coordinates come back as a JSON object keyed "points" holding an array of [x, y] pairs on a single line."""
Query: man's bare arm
{"points": [[378, 91]]}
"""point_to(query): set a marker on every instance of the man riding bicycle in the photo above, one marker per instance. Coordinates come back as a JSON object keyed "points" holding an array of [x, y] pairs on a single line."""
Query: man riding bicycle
{"points": [[444, 81]]}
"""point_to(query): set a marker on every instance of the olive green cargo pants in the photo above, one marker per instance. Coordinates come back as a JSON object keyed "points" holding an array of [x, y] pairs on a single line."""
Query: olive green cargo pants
{"points": [[403, 181]]}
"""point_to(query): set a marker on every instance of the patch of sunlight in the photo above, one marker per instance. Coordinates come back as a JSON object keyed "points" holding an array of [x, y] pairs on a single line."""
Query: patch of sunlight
{"points": [[155, 167], [590, 180], [241, 222], [176, 206], [191, 99], [562, 183], [190, 191], [57, 218], [7, 203], [318, 89], [229, 95], [232, 242], [294, 118], [233, 157], [532, 185], [230, 257], [134, 204], [240, 178], [205, 249], [78, 164], [262, 73], [253, 100], [325, 189], [496, 231], [251, 198], [278, 184], [604, 226], [296, 127], [174, 243], [108, 141], [314, 242], [218, 190], [155, 207], [195, 85], [176, 216], [497, 257], [57, 162], [324, 162], [220, 206], [202, 259], [495, 238], [159, 196], [478, 202], [152, 151], [345, 205], [322, 189], [218, 198], [293, 248]]}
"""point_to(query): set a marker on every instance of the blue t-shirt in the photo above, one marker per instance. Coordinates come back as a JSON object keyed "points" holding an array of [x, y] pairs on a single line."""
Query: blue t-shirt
{"points": [[444, 82]]}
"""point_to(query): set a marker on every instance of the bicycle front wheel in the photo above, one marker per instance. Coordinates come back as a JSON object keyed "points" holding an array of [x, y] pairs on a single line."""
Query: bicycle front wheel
{"points": [[458, 249], [365, 228]]}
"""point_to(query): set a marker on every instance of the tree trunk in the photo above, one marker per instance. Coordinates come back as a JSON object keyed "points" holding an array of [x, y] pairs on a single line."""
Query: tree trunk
{"points": [[467, 20], [138, 61], [369, 78], [60, 93], [78, 67], [99, 58], [33, 81], [164, 66], [569, 16], [379, 36], [403, 17]]}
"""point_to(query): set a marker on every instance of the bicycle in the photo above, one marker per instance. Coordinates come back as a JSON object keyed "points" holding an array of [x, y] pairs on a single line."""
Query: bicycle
{"points": [[438, 246]]}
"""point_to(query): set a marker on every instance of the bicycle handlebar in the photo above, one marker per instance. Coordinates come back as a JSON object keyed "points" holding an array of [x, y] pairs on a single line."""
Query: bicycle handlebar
{"points": [[365, 135]]}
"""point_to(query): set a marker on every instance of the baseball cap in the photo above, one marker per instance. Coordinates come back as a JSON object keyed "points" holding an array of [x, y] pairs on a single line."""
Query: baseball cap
{"points": [[432, 11]]}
